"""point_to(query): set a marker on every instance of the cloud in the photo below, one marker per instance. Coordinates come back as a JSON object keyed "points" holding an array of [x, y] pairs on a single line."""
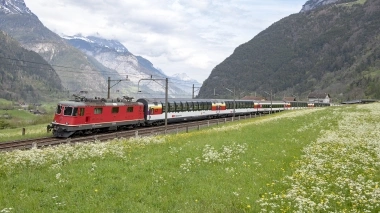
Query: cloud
{"points": [[173, 34]]}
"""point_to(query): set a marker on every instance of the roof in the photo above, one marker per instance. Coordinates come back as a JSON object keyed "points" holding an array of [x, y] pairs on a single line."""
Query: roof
{"points": [[287, 99], [318, 95], [360, 101], [96, 103], [255, 98]]}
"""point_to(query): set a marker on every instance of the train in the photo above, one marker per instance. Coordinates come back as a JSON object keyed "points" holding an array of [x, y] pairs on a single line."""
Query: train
{"points": [[83, 116]]}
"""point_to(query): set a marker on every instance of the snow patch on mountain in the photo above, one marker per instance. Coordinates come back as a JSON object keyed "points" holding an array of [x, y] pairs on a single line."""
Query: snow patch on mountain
{"points": [[113, 55], [14, 7], [104, 43]]}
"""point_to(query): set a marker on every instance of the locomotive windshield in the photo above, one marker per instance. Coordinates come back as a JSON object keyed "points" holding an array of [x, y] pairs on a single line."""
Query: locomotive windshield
{"points": [[59, 109], [68, 110]]}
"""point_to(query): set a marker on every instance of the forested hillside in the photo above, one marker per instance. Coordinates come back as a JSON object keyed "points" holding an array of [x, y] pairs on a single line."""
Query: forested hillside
{"points": [[24, 74], [333, 49]]}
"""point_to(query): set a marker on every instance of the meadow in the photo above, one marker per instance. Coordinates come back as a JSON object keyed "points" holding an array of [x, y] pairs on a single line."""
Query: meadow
{"points": [[312, 160], [13, 120]]}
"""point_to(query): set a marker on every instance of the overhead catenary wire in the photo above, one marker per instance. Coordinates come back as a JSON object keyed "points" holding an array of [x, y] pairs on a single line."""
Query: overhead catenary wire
{"points": [[84, 71]]}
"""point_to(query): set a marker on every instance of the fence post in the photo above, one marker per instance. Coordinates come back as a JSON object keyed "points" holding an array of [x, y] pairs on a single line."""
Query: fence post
{"points": [[23, 131], [199, 127], [225, 120], [187, 129], [136, 133], [208, 123]]}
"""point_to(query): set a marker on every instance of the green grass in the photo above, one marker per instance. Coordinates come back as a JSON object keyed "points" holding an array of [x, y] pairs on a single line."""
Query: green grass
{"points": [[238, 167], [35, 125], [31, 131], [350, 4]]}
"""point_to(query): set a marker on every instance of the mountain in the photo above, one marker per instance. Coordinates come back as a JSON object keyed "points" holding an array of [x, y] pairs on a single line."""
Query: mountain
{"points": [[25, 75], [113, 55], [14, 7], [76, 70], [184, 82], [332, 49], [313, 4], [85, 63]]}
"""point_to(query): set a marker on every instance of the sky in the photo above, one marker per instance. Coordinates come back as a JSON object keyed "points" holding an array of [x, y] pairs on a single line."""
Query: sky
{"points": [[177, 36]]}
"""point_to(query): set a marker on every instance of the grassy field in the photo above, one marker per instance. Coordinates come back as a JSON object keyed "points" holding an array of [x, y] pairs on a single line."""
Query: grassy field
{"points": [[13, 120], [315, 160], [35, 125]]}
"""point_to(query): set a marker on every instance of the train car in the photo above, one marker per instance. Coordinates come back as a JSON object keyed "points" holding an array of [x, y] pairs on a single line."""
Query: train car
{"points": [[193, 109], [179, 109], [242, 107], [298, 104], [85, 116], [317, 104], [270, 106]]}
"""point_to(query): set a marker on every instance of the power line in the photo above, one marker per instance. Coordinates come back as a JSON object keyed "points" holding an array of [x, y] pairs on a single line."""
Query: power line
{"points": [[84, 71]]}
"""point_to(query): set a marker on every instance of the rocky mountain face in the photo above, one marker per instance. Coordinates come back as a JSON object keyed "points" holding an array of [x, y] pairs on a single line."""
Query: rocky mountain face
{"points": [[14, 7], [73, 67], [113, 55], [85, 63], [313, 4], [331, 49], [25, 75]]}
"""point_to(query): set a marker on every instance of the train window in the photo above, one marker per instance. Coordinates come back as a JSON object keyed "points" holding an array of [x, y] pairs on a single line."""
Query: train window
{"points": [[59, 109], [171, 107], [178, 107], [200, 105], [209, 105], [98, 111], [196, 106], [185, 106], [191, 106], [81, 111], [115, 110], [155, 103], [229, 105], [129, 109], [163, 107], [75, 112], [68, 110]]}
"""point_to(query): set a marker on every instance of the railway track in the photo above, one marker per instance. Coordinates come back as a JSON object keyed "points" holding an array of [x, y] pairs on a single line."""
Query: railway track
{"points": [[145, 131]]}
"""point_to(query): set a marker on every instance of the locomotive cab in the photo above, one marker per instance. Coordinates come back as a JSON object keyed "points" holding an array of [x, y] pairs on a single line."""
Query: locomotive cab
{"points": [[66, 120]]}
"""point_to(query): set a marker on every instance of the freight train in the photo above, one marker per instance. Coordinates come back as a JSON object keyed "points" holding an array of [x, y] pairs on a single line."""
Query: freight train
{"points": [[84, 116]]}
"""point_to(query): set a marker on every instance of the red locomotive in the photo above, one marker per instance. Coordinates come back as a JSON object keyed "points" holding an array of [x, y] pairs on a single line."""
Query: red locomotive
{"points": [[88, 116]]}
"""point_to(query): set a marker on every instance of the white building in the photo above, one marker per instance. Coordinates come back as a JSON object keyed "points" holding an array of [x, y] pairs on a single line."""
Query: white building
{"points": [[319, 97]]}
